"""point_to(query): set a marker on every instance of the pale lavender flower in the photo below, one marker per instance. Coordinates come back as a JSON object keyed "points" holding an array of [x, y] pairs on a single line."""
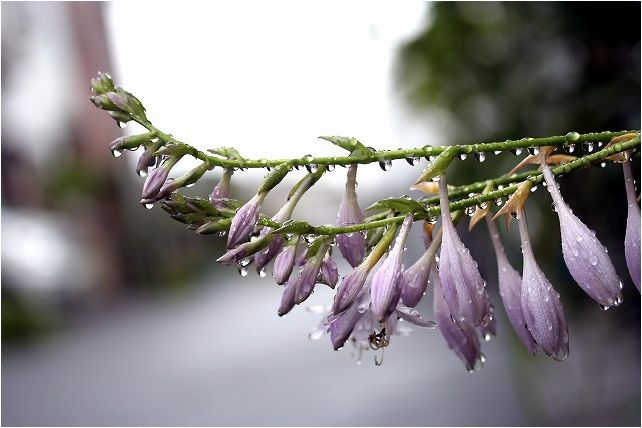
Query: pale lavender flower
{"points": [[341, 328], [386, 288], [462, 285], [510, 290], [541, 304], [147, 159], [632, 237], [415, 279], [284, 261], [287, 298], [245, 219], [329, 272], [351, 245], [586, 258], [264, 257], [351, 286], [157, 178], [308, 275], [461, 337], [221, 191]]}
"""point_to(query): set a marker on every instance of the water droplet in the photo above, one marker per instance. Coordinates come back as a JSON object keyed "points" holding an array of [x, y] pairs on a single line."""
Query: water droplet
{"points": [[515, 215], [330, 167], [244, 261], [149, 206], [496, 152], [262, 273], [516, 151], [308, 158], [385, 164], [499, 202], [569, 148], [412, 160], [435, 178], [593, 261], [462, 156], [620, 284], [116, 153], [554, 207], [483, 205], [120, 124], [243, 271], [603, 164], [312, 167], [572, 137], [480, 156], [221, 233], [604, 307], [588, 146], [190, 185], [533, 189], [142, 173], [470, 211], [533, 150]]}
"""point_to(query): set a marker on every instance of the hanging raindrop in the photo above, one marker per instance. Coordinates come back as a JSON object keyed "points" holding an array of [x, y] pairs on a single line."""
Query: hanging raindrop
{"points": [[116, 153], [572, 137], [588, 146], [385, 164], [517, 151], [312, 168], [462, 156], [569, 148], [242, 271], [534, 150], [480, 156], [412, 160]]}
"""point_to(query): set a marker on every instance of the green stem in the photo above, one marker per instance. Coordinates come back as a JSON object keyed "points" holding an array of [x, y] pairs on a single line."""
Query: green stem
{"points": [[381, 155]]}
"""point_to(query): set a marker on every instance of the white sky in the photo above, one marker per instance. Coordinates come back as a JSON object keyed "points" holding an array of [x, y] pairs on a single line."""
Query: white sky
{"points": [[269, 78]]}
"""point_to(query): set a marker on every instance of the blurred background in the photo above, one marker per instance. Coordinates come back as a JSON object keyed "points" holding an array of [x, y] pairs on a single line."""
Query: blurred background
{"points": [[116, 315]]}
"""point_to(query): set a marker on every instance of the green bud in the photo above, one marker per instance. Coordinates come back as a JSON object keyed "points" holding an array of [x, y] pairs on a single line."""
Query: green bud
{"points": [[439, 165], [274, 177]]}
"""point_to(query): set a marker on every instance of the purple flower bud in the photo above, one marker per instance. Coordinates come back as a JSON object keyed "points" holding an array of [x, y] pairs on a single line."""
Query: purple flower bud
{"points": [[351, 286], [541, 305], [308, 275], [329, 272], [414, 280], [462, 285], [586, 258], [266, 256], [284, 261], [510, 290], [147, 159], [412, 316], [118, 100], [222, 189], [287, 298], [244, 250], [462, 337], [385, 290], [245, 219], [157, 178], [351, 245], [341, 328], [632, 237]]}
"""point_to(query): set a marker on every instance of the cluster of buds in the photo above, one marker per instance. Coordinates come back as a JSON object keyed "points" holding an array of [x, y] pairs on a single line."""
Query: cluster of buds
{"points": [[379, 292]]}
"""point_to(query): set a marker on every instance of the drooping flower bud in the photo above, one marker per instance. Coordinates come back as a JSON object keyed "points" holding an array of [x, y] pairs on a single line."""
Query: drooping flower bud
{"points": [[147, 159], [386, 289], [510, 290], [157, 178], [341, 328], [541, 304], [308, 274], [632, 237], [284, 261], [287, 298], [222, 189], [414, 280], [329, 271], [353, 245], [171, 185], [245, 250], [462, 285], [586, 258], [461, 337], [245, 219], [131, 142]]}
